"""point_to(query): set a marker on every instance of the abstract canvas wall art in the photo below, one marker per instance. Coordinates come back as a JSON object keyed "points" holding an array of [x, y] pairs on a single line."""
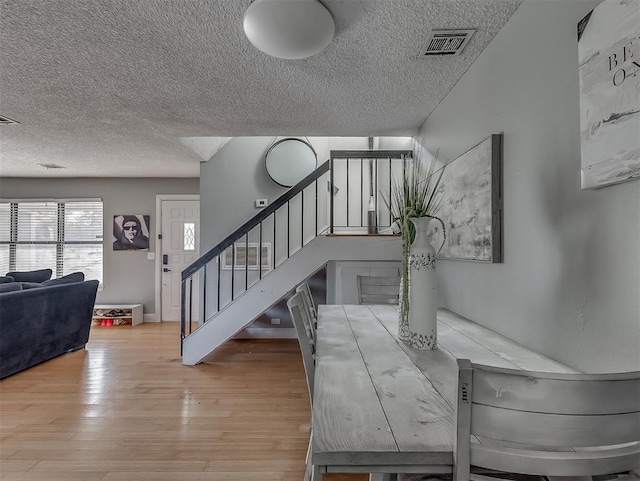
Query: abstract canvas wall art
{"points": [[472, 205], [609, 65]]}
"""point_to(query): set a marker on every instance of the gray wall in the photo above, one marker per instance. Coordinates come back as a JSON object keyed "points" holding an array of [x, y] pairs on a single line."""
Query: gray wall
{"points": [[129, 277], [570, 283]]}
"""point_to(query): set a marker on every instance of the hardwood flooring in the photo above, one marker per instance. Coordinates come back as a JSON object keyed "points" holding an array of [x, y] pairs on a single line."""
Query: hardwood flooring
{"points": [[125, 408]]}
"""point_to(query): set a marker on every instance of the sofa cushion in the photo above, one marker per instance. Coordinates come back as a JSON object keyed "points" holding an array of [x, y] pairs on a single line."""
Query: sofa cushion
{"points": [[10, 287], [5, 279], [31, 276], [73, 277], [29, 285]]}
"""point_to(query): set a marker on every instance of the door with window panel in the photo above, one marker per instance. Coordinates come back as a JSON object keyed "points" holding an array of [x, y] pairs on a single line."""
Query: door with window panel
{"points": [[180, 246]]}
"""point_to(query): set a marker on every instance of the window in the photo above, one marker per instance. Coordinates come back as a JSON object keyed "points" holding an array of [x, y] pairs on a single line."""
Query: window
{"points": [[63, 236], [189, 236]]}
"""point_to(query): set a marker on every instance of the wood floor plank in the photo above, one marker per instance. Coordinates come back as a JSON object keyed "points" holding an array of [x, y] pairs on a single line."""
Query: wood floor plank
{"points": [[204, 476], [54, 476], [108, 465], [21, 466]]}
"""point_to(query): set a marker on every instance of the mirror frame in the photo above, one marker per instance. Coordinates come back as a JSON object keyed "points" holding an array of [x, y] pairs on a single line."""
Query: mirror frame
{"points": [[273, 176]]}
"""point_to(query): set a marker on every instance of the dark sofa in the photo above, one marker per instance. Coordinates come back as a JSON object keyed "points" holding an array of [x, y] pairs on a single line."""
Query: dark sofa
{"points": [[38, 324]]}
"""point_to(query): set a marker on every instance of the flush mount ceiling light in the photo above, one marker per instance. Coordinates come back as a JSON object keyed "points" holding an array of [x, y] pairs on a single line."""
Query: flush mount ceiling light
{"points": [[289, 29]]}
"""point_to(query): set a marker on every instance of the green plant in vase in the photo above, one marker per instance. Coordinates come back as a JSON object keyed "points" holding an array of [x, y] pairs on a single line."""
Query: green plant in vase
{"points": [[414, 194]]}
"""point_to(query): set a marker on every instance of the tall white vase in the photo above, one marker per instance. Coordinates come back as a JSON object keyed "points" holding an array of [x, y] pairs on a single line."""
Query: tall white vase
{"points": [[423, 298]]}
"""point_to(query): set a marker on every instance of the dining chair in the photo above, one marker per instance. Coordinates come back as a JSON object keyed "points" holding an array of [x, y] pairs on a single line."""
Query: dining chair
{"points": [[306, 339], [545, 424], [310, 306], [378, 289]]}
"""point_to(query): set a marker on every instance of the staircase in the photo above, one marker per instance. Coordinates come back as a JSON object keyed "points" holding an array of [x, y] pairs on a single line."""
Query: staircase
{"points": [[263, 294], [257, 265]]}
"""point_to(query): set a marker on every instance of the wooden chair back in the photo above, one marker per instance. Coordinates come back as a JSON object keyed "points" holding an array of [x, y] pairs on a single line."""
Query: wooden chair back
{"points": [[547, 424], [306, 337], [307, 298], [378, 290]]}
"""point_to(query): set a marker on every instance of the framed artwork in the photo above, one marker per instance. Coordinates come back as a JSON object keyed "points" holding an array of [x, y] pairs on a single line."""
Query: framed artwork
{"points": [[131, 232], [609, 66], [471, 189], [247, 258]]}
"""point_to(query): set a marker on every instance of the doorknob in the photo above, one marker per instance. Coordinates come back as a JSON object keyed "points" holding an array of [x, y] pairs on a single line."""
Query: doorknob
{"points": [[166, 270]]}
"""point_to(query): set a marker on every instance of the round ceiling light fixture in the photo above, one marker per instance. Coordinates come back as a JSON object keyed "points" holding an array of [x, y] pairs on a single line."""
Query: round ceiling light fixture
{"points": [[289, 29]]}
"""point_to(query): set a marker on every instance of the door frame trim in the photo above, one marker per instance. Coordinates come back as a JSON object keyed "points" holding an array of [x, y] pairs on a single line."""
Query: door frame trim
{"points": [[157, 317]]}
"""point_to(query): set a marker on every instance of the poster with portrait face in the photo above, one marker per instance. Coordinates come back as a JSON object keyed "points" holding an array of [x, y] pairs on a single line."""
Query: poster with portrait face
{"points": [[131, 232], [609, 49]]}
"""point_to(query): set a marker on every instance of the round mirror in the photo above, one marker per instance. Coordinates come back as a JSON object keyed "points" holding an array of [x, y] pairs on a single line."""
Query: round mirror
{"points": [[288, 161]]}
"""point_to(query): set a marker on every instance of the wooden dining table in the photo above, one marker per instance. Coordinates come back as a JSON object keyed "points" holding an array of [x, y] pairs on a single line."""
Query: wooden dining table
{"points": [[380, 406]]}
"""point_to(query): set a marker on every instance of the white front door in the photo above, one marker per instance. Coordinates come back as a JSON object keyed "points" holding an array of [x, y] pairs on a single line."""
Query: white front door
{"points": [[180, 242]]}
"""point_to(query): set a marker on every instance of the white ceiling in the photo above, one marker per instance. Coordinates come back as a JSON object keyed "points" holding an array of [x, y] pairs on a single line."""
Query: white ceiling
{"points": [[118, 88]]}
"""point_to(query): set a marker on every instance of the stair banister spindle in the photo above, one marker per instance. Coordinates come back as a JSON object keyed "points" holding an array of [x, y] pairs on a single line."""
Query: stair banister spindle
{"points": [[204, 293], [302, 219], [260, 252], [331, 200], [182, 315], [390, 193], [361, 193], [246, 261], [288, 229], [274, 240], [190, 304], [348, 192], [233, 268], [218, 281]]}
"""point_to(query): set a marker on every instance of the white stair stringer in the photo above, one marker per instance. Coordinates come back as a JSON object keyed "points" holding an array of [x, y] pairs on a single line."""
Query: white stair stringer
{"points": [[264, 293]]}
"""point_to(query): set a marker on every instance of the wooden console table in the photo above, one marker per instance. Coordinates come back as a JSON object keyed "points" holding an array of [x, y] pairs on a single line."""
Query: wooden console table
{"points": [[382, 407]]}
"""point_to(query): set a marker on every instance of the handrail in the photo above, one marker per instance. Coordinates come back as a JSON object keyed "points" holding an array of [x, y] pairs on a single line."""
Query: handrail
{"points": [[254, 221], [369, 154]]}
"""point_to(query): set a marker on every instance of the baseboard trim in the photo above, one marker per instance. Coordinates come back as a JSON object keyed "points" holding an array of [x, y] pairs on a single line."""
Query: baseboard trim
{"points": [[267, 333], [151, 317]]}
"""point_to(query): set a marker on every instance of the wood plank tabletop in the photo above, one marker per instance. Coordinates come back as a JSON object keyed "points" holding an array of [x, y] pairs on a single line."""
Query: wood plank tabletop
{"points": [[379, 404]]}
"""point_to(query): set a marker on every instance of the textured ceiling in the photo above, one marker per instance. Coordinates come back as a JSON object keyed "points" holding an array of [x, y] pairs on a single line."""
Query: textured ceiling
{"points": [[113, 88]]}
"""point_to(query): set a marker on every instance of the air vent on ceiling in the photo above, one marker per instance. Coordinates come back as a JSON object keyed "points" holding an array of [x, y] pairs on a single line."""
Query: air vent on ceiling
{"points": [[7, 121], [446, 42], [52, 166]]}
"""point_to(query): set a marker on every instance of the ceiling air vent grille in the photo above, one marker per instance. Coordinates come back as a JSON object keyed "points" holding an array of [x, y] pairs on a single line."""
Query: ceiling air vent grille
{"points": [[7, 121], [446, 42]]}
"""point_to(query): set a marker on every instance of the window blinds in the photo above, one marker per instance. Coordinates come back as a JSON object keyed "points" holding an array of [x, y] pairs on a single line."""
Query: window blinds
{"points": [[62, 236]]}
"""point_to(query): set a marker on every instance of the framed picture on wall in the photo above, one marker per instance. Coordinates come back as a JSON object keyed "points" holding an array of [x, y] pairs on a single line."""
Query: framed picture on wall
{"points": [[609, 65], [238, 257], [131, 232], [471, 189]]}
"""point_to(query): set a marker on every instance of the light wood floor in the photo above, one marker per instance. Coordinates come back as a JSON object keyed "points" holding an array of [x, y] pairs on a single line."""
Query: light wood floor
{"points": [[127, 409]]}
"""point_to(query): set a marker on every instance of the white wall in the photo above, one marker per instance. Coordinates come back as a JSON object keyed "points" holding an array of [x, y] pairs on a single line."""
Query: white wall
{"points": [[570, 283], [128, 275]]}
